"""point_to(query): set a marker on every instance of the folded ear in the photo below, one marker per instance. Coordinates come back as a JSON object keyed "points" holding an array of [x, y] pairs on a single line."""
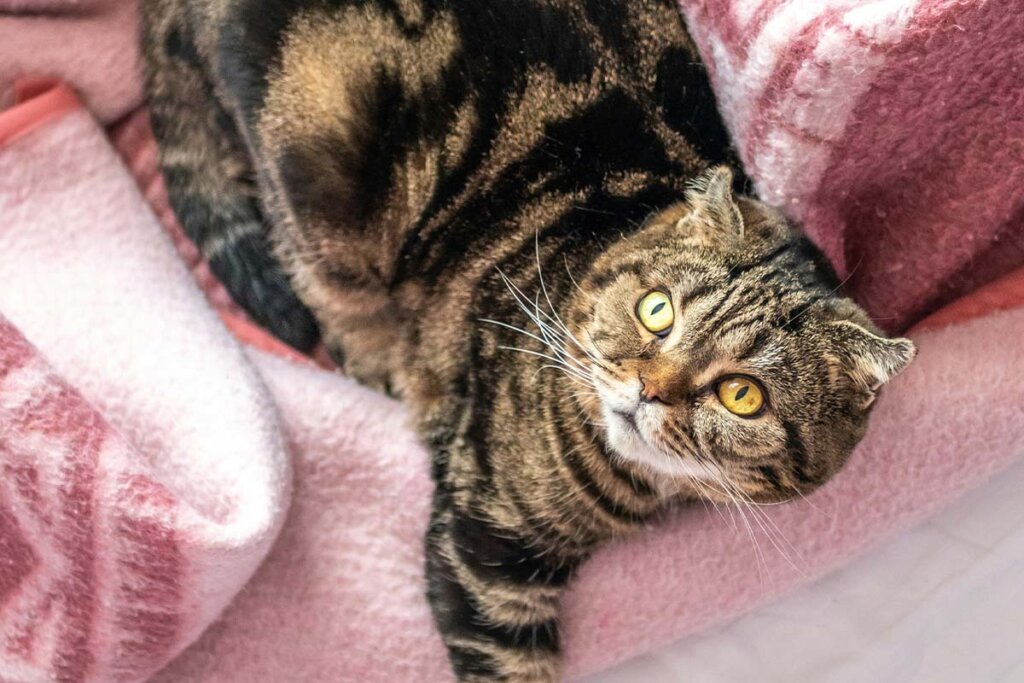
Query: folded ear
{"points": [[710, 196], [870, 360]]}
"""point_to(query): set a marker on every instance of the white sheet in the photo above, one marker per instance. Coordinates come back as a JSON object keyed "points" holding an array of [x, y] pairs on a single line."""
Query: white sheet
{"points": [[941, 603]]}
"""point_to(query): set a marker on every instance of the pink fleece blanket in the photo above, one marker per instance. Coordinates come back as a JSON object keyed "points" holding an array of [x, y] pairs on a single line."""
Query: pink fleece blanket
{"points": [[148, 459]]}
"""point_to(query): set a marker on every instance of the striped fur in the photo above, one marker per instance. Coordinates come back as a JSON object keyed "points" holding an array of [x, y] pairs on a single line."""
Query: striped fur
{"points": [[471, 196]]}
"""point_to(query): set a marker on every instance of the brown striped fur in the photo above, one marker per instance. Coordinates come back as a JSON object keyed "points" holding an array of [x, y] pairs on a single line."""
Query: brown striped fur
{"points": [[471, 196]]}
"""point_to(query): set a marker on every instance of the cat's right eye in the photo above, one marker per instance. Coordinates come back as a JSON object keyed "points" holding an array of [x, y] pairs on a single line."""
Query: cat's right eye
{"points": [[655, 312], [741, 395]]}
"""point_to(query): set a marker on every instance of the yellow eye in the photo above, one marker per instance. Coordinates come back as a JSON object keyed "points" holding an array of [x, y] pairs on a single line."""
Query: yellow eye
{"points": [[655, 312], [741, 395]]}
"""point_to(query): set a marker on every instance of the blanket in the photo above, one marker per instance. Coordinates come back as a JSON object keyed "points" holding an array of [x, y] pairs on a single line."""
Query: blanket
{"points": [[129, 516], [148, 458], [894, 129]]}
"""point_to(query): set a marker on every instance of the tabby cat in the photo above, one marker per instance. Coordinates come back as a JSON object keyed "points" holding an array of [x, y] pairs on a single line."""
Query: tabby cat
{"points": [[518, 216]]}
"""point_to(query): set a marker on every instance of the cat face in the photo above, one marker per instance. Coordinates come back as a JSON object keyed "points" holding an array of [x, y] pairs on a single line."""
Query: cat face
{"points": [[721, 356]]}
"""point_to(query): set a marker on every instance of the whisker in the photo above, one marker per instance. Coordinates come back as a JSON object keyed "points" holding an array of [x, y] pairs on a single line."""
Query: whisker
{"points": [[568, 370], [575, 284], [741, 502], [774, 534], [553, 316], [536, 314], [755, 507], [513, 328], [575, 378]]}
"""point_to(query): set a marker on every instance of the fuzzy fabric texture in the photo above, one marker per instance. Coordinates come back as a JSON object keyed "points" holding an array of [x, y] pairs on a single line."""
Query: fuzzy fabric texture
{"points": [[893, 128], [92, 44], [144, 472]]}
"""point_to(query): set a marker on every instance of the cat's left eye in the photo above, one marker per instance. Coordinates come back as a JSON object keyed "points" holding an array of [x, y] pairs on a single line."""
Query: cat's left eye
{"points": [[655, 312]]}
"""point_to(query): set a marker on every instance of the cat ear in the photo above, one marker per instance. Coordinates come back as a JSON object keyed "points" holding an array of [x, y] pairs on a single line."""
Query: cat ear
{"points": [[870, 360], [710, 196]]}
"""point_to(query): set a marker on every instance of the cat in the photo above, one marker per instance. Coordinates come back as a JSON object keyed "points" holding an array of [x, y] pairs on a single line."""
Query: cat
{"points": [[526, 220]]}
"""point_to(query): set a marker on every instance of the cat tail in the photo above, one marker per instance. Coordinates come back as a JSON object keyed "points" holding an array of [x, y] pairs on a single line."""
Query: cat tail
{"points": [[210, 180]]}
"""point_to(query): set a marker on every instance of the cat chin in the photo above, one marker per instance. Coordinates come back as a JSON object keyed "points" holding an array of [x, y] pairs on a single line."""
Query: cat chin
{"points": [[627, 442]]}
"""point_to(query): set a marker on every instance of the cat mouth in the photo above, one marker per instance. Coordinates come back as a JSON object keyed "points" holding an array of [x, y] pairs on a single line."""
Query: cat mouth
{"points": [[630, 420]]}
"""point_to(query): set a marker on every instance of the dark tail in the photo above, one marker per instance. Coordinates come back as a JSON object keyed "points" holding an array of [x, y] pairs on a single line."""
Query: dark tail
{"points": [[210, 179]]}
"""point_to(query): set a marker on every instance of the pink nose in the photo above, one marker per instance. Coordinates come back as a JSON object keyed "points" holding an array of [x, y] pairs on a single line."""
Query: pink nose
{"points": [[650, 392]]}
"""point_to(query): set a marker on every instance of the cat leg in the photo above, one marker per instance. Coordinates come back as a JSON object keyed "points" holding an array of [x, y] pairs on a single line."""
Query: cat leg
{"points": [[209, 177], [495, 600]]}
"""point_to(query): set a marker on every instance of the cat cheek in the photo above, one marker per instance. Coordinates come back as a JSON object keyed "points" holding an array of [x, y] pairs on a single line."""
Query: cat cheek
{"points": [[740, 440], [763, 443]]}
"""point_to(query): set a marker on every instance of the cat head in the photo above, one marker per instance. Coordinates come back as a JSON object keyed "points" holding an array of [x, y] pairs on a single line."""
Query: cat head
{"points": [[721, 354]]}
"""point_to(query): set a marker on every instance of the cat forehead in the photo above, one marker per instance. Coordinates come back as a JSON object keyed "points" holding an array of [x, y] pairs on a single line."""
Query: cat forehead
{"points": [[670, 262], [697, 284], [676, 273], [754, 344], [760, 325]]}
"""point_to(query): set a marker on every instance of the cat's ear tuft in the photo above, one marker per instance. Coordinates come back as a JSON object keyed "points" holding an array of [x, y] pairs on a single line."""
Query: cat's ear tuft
{"points": [[869, 359], [710, 195]]}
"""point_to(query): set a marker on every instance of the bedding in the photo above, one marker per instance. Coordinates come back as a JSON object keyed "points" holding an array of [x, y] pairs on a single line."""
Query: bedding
{"points": [[939, 603], [144, 517]]}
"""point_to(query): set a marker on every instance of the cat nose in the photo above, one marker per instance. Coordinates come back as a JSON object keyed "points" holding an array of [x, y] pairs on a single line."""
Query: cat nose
{"points": [[651, 391]]}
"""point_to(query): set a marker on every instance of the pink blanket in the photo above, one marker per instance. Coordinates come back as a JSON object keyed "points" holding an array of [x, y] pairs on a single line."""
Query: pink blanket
{"points": [[147, 459], [144, 473], [893, 128]]}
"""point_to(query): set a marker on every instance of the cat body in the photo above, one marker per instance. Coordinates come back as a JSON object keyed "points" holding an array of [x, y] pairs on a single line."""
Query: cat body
{"points": [[490, 207]]}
